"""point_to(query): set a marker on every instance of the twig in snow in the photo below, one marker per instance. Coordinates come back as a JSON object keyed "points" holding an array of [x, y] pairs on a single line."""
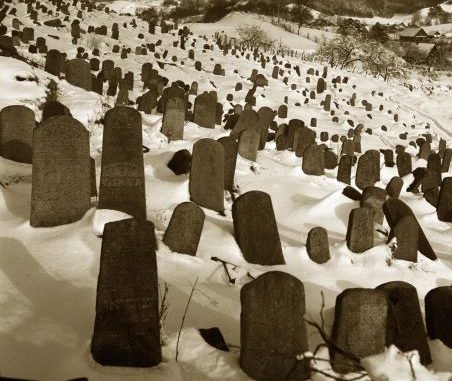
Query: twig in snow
{"points": [[183, 317]]}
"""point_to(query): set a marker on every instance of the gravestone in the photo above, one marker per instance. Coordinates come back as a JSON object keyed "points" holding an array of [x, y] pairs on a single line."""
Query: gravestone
{"points": [[180, 163], [249, 144], [374, 197], [345, 169], [206, 185], [360, 230], [248, 119], [127, 324], [404, 165], [317, 245], [255, 229], [53, 62], [366, 174], [148, 101], [394, 187], [313, 160], [185, 227], [205, 110], [303, 138], [16, 133], [406, 233], [269, 349], [330, 159], [405, 328], [174, 118], [231, 148], [444, 209], [438, 310], [78, 73], [360, 321], [445, 165], [61, 183], [394, 211], [122, 185], [265, 116]]}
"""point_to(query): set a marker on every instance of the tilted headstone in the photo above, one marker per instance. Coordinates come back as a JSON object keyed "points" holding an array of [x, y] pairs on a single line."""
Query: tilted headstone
{"points": [[394, 187], [438, 310], [406, 233], [445, 165], [127, 324], [317, 245], [206, 185], [255, 229], [360, 230], [185, 227], [61, 184], [269, 348], [360, 321], [405, 328], [302, 139], [148, 101], [231, 149], [122, 185], [16, 133]]}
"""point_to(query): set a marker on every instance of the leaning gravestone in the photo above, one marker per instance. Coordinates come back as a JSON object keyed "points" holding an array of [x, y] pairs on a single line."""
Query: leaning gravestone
{"points": [[206, 185], [360, 321], [317, 245], [360, 230], [185, 227], [394, 211], [405, 327], [231, 148], [122, 174], [61, 182], [406, 233], [16, 133], [174, 118], [205, 110], [438, 310], [127, 324], [78, 73], [269, 347], [255, 229]]}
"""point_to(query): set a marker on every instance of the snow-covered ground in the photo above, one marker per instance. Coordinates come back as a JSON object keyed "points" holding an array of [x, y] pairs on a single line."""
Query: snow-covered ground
{"points": [[48, 276]]}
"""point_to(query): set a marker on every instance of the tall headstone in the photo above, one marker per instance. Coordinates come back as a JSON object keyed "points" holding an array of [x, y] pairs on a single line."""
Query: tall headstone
{"points": [[255, 229], [205, 110], [265, 116], [249, 143], [206, 185], [122, 174], [61, 183], [127, 324], [231, 149], [360, 230], [174, 118], [444, 209], [272, 330]]}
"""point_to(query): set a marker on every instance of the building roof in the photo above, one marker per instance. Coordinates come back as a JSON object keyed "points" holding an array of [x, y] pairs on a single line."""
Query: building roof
{"points": [[412, 32], [422, 49]]}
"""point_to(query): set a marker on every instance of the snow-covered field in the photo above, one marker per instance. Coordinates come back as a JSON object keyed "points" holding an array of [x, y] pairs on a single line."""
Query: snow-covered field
{"points": [[48, 276]]}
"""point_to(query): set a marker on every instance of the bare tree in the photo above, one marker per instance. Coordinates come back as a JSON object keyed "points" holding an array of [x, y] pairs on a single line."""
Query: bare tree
{"points": [[301, 12]]}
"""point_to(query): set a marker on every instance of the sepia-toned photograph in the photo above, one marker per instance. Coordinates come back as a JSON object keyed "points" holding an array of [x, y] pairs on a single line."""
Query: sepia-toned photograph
{"points": [[225, 190]]}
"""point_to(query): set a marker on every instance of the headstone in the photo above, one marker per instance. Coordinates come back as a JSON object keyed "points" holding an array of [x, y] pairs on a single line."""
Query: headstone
{"points": [[444, 209], [248, 120], [185, 227], [16, 133], [313, 160], [374, 197], [406, 234], [206, 184], [394, 187], [205, 110], [249, 143], [53, 62], [265, 116], [180, 163], [173, 118], [360, 321], [438, 310], [61, 185], [127, 324], [445, 166], [122, 185], [78, 73], [255, 229], [366, 175], [231, 148], [345, 169], [360, 230], [317, 245], [404, 165]]}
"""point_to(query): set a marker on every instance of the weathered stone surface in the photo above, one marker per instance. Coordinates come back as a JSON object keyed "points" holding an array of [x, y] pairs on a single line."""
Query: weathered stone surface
{"points": [[394, 211], [313, 160], [302, 139], [185, 227], [122, 174], [394, 187], [317, 245], [360, 321], [366, 173], [206, 184], [444, 210], [174, 118], [16, 133], [345, 169], [406, 232], [374, 197], [404, 165], [54, 108], [231, 149], [269, 348], [255, 229], [405, 328], [127, 326], [360, 230], [54, 62], [61, 185], [249, 144], [78, 73], [205, 110], [248, 120], [438, 310]]}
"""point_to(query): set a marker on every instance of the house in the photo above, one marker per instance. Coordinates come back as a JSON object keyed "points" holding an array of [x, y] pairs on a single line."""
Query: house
{"points": [[421, 53], [413, 35], [434, 34]]}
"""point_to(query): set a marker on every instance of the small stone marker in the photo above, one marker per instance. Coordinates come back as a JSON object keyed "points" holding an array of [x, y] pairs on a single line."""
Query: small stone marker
{"points": [[180, 163], [127, 324], [185, 227], [317, 245], [206, 184], [360, 321], [122, 174], [61, 182], [269, 349], [255, 229], [438, 310], [360, 230], [405, 327]]}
